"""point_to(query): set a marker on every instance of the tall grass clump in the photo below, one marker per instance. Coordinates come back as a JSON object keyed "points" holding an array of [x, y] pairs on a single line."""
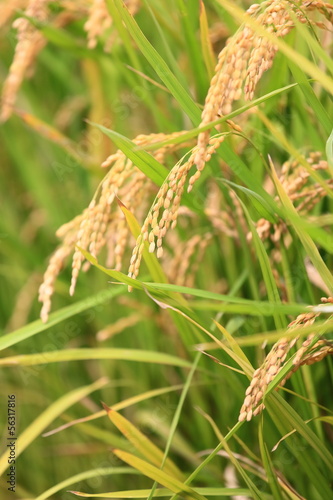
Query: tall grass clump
{"points": [[167, 201]]}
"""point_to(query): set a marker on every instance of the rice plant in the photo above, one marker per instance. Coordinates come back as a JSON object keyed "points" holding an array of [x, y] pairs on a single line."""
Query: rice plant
{"points": [[166, 298]]}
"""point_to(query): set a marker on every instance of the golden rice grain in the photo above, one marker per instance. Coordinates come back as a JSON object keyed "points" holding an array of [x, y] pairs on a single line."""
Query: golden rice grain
{"points": [[99, 20], [103, 224], [97, 23], [296, 181], [262, 377], [8, 10], [183, 265], [276, 360], [46, 289]]}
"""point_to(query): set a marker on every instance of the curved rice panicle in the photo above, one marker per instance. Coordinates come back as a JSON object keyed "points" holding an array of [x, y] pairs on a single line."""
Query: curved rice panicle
{"points": [[296, 181], [102, 224], [164, 211], [240, 66], [276, 360], [99, 20], [246, 56], [29, 42]]}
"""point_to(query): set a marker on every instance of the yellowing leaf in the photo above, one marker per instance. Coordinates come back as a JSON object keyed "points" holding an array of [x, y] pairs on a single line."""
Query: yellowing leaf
{"points": [[141, 443]]}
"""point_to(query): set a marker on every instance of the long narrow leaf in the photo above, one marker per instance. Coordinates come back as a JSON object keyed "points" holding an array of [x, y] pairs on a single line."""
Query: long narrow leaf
{"points": [[87, 353], [141, 443], [158, 475], [38, 326], [48, 415]]}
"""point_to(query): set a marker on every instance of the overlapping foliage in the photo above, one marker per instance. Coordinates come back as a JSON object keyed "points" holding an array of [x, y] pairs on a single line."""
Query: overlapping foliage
{"points": [[204, 240]]}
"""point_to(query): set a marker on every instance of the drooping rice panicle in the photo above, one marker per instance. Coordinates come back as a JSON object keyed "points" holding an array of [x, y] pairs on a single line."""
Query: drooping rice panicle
{"points": [[296, 181], [273, 363], [183, 265], [164, 211], [244, 59], [103, 224], [276, 360], [241, 63], [29, 40], [99, 20], [245, 56], [8, 10]]}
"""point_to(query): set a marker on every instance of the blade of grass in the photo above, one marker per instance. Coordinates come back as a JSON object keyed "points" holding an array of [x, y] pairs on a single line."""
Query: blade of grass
{"points": [[175, 421], [293, 152], [263, 310], [38, 326], [268, 466], [193, 47], [141, 443], [255, 493], [143, 160], [206, 45], [52, 134], [165, 492], [213, 454], [195, 131], [296, 422], [118, 406], [310, 97], [158, 64], [95, 353], [159, 476], [82, 476], [307, 242], [44, 419], [329, 150], [60, 37], [286, 419], [271, 288], [312, 41], [168, 56]]}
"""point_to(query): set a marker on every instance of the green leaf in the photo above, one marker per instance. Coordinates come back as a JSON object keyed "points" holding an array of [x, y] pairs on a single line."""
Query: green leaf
{"points": [[206, 45], [96, 353], [262, 207], [307, 242], [268, 466], [310, 96], [286, 419], [158, 475], [154, 170], [143, 160], [164, 492], [272, 290], [82, 476], [141, 443], [47, 416], [329, 150], [159, 65], [307, 66], [175, 422], [118, 406], [38, 326]]}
